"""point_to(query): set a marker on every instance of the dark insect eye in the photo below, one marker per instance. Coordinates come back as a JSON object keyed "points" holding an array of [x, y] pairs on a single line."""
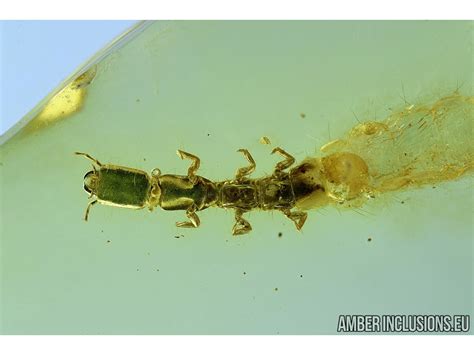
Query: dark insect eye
{"points": [[88, 181]]}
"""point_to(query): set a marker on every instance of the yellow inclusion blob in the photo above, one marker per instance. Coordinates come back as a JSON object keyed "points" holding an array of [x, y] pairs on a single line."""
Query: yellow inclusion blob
{"points": [[66, 102]]}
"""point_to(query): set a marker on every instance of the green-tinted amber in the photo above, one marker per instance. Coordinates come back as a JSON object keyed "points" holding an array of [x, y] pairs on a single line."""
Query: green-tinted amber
{"points": [[211, 88]]}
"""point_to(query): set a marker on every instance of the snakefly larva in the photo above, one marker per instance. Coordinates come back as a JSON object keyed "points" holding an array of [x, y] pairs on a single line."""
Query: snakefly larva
{"points": [[406, 150], [130, 188]]}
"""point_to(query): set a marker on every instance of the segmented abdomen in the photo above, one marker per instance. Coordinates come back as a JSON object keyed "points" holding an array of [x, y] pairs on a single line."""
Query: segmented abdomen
{"points": [[266, 193]]}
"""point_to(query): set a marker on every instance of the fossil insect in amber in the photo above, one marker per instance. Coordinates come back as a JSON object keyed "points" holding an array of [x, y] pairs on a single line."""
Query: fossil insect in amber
{"points": [[421, 145], [130, 188]]}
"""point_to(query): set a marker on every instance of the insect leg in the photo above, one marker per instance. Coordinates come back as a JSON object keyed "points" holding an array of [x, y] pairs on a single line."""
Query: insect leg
{"points": [[286, 163], [297, 217], [196, 162], [241, 172], [193, 222], [241, 226], [89, 157], [86, 217]]}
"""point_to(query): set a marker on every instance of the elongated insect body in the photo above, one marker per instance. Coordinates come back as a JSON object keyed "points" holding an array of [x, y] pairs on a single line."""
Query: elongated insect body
{"points": [[418, 146], [131, 188]]}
